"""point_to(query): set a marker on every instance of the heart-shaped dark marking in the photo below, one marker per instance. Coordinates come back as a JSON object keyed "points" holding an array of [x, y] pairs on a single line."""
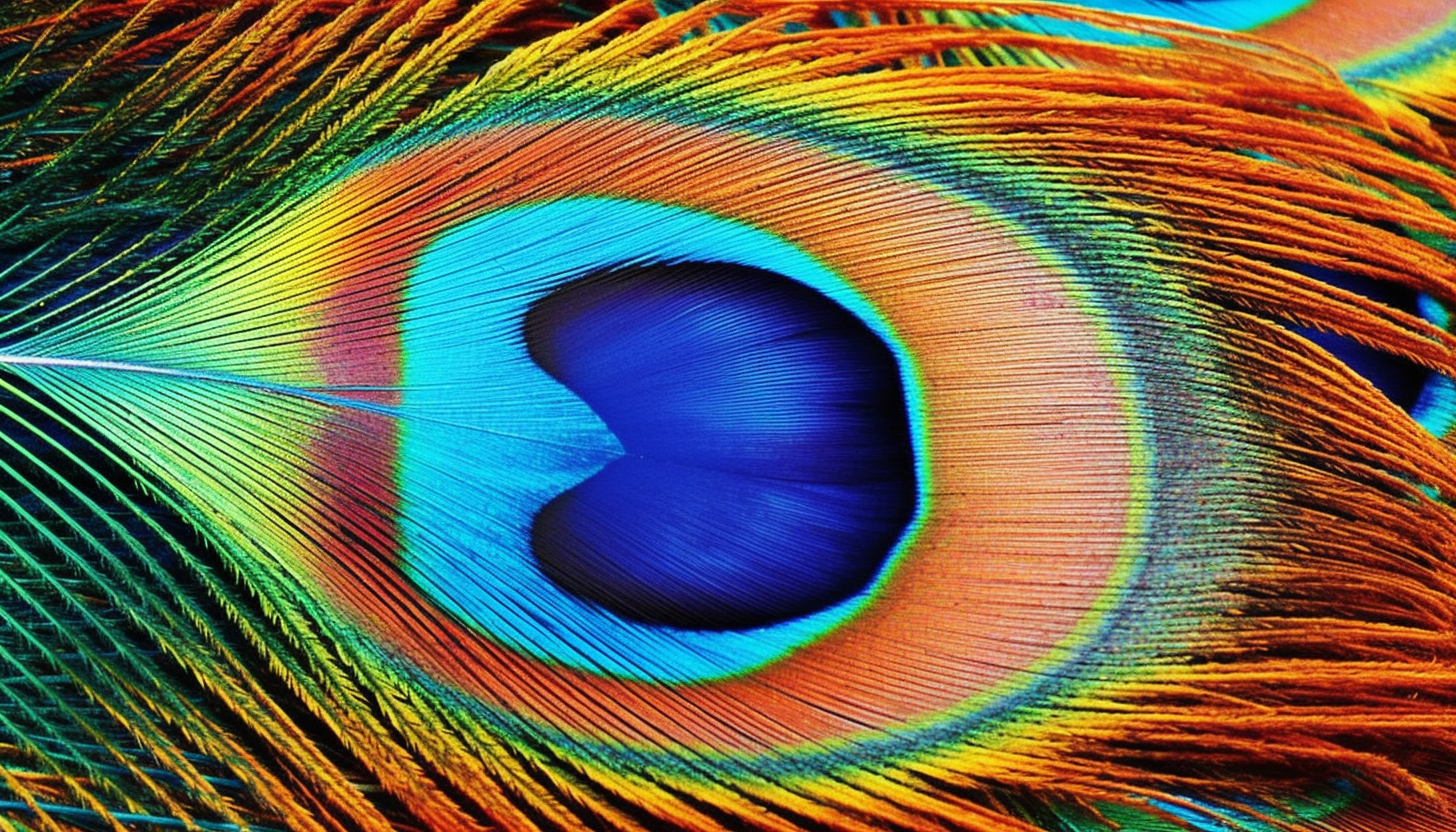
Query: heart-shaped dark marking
{"points": [[768, 468]]}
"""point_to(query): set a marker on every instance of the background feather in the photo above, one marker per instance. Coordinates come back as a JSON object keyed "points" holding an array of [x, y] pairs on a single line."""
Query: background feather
{"points": [[275, 441]]}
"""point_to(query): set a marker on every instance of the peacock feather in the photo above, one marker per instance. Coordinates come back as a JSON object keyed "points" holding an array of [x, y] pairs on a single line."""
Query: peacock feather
{"points": [[747, 415]]}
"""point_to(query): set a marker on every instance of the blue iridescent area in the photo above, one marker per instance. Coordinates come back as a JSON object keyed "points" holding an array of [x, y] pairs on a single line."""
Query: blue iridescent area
{"points": [[1222, 14], [767, 470], [489, 438]]}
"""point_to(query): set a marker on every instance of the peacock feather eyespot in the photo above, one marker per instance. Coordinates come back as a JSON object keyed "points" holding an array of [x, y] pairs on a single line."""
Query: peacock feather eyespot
{"points": [[1010, 417]]}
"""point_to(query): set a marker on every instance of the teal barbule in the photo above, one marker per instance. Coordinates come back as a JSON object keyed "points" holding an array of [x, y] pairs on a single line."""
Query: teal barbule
{"points": [[466, 538], [1223, 14], [1435, 410]]}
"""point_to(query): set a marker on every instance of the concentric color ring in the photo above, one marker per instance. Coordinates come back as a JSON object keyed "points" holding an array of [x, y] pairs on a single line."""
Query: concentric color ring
{"points": [[953, 625]]}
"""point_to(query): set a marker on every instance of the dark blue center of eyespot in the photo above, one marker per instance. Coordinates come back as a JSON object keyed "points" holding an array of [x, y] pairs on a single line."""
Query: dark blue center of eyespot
{"points": [[768, 468]]}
